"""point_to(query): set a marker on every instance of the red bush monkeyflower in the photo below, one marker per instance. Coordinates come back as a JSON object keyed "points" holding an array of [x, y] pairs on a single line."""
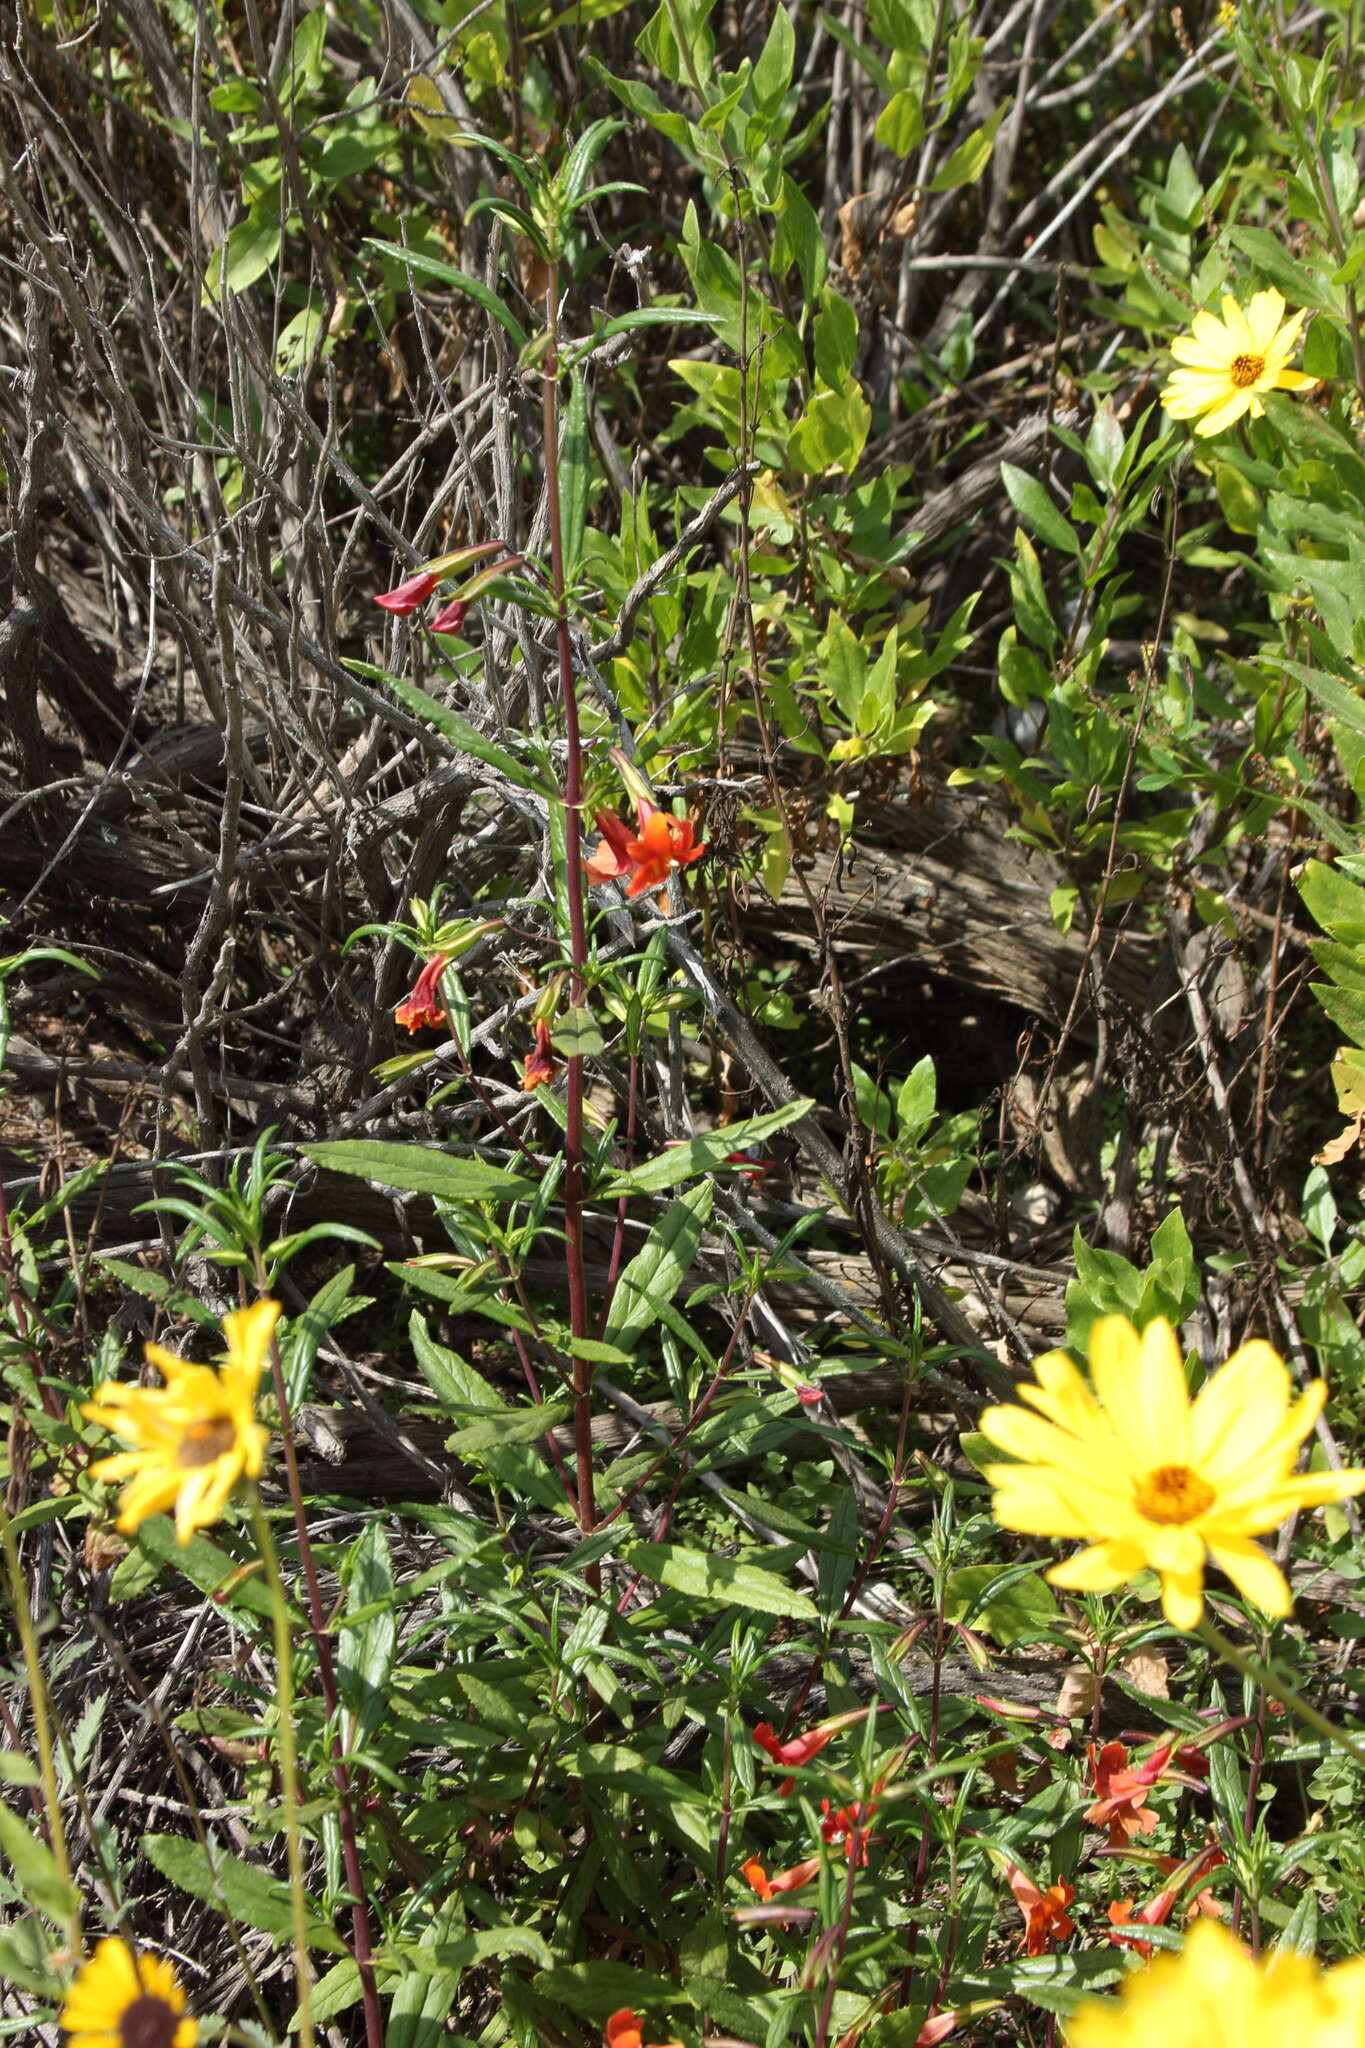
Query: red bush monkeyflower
{"points": [[451, 617], [851, 1825], [421, 1009], [784, 1881], [1189, 1873], [794, 1754], [664, 843], [1122, 1803], [540, 1064], [410, 595], [647, 856], [1045, 1914], [612, 858], [1122, 1917], [625, 2029]]}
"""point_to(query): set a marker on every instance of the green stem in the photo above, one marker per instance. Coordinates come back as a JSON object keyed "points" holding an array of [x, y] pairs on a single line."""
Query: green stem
{"points": [[1265, 1676], [42, 1724], [578, 943], [289, 1765]]}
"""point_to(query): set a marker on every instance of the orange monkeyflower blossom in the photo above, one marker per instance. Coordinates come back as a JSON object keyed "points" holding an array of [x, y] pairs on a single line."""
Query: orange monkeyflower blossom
{"points": [[646, 857], [421, 1009], [540, 1064], [1122, 1802], [1045, 1915], [851, 1825], [783, 1881], [793, 1754], [625, 2029]]}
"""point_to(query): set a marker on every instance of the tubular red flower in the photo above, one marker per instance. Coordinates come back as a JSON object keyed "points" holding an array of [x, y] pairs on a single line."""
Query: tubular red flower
{"points": [[540, 1064], [784, 1880], [451, 617], [662, 844], [612, 858], [794, 1754], [409, 595], [625, 2029], [1045, 1914], [851, 1825], [421, 1009], [1122, 1803]]}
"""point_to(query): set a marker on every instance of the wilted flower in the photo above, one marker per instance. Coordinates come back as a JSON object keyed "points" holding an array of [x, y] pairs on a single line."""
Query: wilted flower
{"points": [[1227, 364], [1152, 1480], [124, 2000], [421, 1008], [196, 1436]]}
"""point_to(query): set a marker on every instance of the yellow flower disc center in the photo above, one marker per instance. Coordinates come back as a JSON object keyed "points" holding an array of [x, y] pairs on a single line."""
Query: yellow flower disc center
{"points": [[1173, 1493], [1245, 370], [147, 2023], [205, 1441]]}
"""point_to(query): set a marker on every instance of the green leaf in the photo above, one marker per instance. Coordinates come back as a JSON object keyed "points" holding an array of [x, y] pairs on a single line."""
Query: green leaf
{"points": [[457, 730], [900, 125], [702, 1575], [446, 273], [1030, 500], [459, 1388], [703, 1155], [1013, 1605], [599, 1989], [249, 251], [971, 157], [227, 1580], [35, 1869], [1240, 501], [575, 475], [831, 432], [773, 72], [420, 1170], [654, 1275], [246, 1891]]}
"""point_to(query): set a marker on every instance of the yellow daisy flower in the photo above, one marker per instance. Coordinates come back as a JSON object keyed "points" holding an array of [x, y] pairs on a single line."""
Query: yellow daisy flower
{"points": [[1214, 1995], [196, 1436], [122, 2000], [1149, 1478], [1228, 363]]}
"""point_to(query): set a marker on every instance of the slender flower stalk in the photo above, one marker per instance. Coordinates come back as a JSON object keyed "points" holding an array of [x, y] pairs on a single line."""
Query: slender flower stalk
{"points": [[585, 1485], [289, 1766], [40, 1708]]}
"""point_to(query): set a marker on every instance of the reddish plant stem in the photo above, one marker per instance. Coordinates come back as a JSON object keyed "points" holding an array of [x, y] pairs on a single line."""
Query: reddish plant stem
{"points": [[618, 1242], [361, 1944], [578, 940]]}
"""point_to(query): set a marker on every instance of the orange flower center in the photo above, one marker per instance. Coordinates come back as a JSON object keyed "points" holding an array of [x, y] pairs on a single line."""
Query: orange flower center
{"points": [[147, 2023], [1245, 370], [1173, 1493], [200, 1445]]}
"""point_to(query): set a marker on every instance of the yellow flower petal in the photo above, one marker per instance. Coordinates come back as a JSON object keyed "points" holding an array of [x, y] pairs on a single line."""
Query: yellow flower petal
{"points": [[1229, 411], [1256, 1576], [1141, 1386]]}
